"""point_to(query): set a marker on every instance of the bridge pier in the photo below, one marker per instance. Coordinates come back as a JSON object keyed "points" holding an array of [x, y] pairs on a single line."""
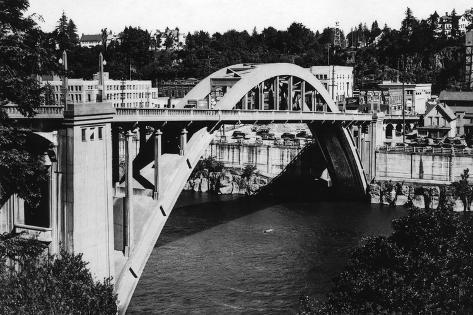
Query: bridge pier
{"points": [[128, 200], [157, 162], [183, 142]]}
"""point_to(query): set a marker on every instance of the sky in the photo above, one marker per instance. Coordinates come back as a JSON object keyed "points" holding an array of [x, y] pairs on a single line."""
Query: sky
{"points": [[212, 16]]}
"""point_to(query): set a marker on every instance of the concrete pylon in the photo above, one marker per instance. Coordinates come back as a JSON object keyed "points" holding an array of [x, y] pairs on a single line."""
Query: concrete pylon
{"points": [[183, 142], [157, 162], [128, 200], [84, 155]]}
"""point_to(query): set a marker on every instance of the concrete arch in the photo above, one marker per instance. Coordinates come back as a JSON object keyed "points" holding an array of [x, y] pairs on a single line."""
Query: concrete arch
{"points": [[250, 78]]}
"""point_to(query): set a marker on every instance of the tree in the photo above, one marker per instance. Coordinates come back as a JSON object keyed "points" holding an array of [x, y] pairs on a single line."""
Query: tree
{"points": [[72, 33], [34, 282], [65, 33], [23, 55], [422, 267]]}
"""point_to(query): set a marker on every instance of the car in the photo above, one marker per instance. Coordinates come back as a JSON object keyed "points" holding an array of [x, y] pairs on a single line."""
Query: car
{"points": [[238, 135], [459, 143], [262, 131], [268, 136], [302, 134], [288, 136]]}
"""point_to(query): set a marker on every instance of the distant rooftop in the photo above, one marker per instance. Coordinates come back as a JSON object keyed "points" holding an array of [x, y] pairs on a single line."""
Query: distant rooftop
{"points": [[91, 38], [456, 96]]}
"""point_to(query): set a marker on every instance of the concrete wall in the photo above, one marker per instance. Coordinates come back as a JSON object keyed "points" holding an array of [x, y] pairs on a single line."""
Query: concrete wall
{"points": [[269, 160], [424, 167]]}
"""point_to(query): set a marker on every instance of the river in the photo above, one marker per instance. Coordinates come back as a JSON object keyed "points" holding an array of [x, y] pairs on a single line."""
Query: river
{"points": [[213, 256]]}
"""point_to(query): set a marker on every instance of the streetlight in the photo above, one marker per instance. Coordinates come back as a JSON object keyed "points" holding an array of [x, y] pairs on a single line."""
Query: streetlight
{"points": [[65, 83]]}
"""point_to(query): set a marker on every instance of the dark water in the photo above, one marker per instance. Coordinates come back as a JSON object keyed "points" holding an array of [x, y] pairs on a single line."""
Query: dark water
{"points": [[213, 257]]}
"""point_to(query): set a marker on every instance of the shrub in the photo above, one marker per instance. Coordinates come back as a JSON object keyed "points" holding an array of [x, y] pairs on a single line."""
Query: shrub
{"points": [[37, 283]]}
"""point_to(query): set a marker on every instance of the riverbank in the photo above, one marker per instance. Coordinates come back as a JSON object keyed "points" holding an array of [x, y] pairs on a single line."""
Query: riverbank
{"points": [[399, 193], [228, 181]]}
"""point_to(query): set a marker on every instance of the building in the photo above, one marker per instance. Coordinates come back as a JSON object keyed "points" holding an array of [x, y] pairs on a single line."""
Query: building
{"points": [[127, 93], [416, 95], [176, 88], [338, 80], [376, 100], [91, 40], [461, 103], [446, 23], [439, 121]]}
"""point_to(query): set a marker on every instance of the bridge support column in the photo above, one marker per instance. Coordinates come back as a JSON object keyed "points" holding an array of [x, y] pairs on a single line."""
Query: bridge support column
{"points": [[128, 200], [261, 96], [115, 154], [182, 150], [276, 93], [302, 95], [289, 93], [157, 163], [375, 130]]}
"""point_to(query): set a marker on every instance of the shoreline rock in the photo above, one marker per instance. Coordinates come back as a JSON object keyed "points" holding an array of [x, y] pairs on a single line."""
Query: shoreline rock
{"points": [[392, 194]]}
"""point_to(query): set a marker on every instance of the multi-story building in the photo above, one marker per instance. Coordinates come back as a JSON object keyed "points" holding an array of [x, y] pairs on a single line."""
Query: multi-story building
{"points": [[376, 100], [126, 93], [338, 80], [176, 88], [416, 95], [461, 104], [446, 23]]}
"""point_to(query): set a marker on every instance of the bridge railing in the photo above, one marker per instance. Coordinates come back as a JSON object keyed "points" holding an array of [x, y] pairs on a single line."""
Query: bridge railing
{"points": [[231, 114], [46, 111], [428, 150]]}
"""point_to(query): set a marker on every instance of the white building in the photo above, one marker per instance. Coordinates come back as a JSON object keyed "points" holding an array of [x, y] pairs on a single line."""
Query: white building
{"points": [[127, 93], [90, 40], [338, 80]]}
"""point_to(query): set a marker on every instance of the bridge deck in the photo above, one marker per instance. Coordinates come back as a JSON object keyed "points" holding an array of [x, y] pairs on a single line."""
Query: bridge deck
{"points": [[235, 115]]}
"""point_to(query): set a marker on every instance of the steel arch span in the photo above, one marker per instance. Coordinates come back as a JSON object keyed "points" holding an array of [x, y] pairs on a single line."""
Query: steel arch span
{"points": [[274, 87]]}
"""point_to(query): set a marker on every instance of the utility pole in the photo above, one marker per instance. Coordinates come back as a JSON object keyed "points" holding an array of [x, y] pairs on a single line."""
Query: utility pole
{"points": [[328, 55], [333, 82], [403, 105]]}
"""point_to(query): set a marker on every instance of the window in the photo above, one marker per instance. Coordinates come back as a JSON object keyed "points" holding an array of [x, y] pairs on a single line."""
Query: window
{"points": [[83, 130], [92, 134], [100, 133]]}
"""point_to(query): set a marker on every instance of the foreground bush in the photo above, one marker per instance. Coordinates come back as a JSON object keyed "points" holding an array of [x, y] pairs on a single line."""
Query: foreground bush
{"points": [[37, 283], [425, 266]]}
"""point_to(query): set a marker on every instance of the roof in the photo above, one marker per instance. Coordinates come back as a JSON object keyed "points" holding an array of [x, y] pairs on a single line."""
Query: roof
{"points": [[91, 38], [456, 96], [445, 109]]}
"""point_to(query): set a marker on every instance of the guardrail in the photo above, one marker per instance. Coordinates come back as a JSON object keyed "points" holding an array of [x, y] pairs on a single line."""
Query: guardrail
{"points": [[47, 111], [167, 114], [428, 150], [234, 115]]}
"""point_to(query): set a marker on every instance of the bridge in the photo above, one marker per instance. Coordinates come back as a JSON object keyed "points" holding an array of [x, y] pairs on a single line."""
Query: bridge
{"points": [[115, 217]]}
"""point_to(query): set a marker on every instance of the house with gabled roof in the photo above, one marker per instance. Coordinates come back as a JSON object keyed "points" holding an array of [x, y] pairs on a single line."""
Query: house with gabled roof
{"points": [[439, 122]]}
